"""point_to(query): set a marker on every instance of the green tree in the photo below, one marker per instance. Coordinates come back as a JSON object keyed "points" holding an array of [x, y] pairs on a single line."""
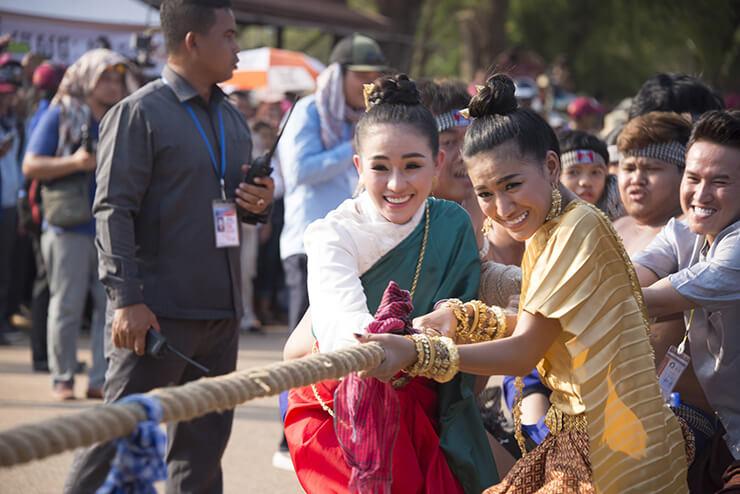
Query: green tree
{"points": [[614, 45]]}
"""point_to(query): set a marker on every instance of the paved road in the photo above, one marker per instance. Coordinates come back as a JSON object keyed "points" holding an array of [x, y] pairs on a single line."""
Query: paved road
{"points": [[25, 397]]}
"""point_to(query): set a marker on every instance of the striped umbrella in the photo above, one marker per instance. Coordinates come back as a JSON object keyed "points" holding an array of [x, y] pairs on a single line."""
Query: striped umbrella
{"points": [[275, 70]]}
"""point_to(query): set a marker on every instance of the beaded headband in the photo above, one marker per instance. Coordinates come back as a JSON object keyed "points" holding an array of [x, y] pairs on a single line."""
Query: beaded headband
{"points": [[671, 152], [454, 118], [581, 157]]}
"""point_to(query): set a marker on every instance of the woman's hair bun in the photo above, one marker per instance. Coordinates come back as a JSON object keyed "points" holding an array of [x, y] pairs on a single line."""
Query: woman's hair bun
{"points": [[495, 98], [393, 90]]}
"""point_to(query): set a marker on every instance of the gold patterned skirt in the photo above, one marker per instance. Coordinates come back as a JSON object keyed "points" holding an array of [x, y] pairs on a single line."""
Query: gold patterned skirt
{"points": [[559, 465]]}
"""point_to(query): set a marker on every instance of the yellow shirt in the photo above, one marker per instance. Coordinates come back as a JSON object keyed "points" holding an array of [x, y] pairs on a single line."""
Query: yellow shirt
{"points": [[575, 270]]}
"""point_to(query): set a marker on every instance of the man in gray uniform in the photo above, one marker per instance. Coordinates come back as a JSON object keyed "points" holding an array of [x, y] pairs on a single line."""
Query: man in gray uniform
{"points": [[693, 266], [171, 161]]}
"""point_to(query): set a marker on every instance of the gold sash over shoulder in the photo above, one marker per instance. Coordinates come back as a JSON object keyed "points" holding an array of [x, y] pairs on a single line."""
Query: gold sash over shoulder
{"points": [[575, 270]]}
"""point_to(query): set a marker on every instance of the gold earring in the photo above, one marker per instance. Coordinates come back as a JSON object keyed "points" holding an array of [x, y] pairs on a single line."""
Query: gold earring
{"points": [[556, 202], [435, 181], [367, 91], [487, 226]]}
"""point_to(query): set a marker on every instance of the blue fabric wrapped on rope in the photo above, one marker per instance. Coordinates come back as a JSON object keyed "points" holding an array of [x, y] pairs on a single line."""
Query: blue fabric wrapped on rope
{"points": [[139, 460]]}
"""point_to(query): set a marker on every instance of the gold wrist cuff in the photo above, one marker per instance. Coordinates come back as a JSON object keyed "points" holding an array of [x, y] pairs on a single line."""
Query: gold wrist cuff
{"points": [[437, 357]]}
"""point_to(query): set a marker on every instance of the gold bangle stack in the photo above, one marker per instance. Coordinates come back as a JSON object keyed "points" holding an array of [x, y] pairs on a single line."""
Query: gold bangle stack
{"points": [[423, 354], [461, 314], [436, 357], [489, 323]]}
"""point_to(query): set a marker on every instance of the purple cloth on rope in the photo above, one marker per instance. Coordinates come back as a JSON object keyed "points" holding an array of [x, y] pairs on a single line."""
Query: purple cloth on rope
{"points": [[366, 411]]}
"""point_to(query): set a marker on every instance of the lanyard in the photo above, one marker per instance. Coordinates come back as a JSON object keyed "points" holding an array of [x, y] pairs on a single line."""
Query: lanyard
{"points": [[222, 143], [682, 345]]}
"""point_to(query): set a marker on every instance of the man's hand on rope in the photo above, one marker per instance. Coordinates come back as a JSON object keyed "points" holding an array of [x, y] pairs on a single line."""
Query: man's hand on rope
{"points": [[400, 353], [130, 325]]}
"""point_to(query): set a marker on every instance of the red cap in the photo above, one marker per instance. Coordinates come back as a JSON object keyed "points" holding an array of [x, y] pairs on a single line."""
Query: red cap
{"points": [[47, 76], [582, 106]]}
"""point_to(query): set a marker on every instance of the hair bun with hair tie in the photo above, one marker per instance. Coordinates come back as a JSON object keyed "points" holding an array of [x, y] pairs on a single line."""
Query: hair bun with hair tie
{"points": [[495, 98], [393, 90]]}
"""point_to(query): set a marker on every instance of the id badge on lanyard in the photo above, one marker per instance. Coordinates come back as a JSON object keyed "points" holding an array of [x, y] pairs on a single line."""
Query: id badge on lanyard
{"points": [[225, 219], [674, 364], [226, 223]]}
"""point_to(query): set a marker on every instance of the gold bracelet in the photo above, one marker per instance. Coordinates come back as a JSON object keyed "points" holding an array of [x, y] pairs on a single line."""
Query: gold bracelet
{"points": [[480, 331], [458, 309], [452, 360], [466, 332], [500, 316], [484, 319], [476, 315], [423, 354], [419, 354], [485, 330], [432, 356]]}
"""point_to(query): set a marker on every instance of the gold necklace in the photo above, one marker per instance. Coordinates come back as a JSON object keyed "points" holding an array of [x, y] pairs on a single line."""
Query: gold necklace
{"points": [[414, 282]]}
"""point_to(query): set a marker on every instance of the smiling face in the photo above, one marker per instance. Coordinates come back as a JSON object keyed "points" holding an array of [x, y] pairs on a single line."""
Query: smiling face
{"points": [[454, 183], [587, 181], [397, 168], [649, 189], [710, 188], [514, 190]]}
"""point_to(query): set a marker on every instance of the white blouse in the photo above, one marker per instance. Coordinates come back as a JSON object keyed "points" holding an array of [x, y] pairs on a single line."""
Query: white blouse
{"points": [[340, 248]]}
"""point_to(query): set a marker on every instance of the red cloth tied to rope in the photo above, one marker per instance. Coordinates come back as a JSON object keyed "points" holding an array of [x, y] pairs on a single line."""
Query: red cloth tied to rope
{"points": [[366, 411]]}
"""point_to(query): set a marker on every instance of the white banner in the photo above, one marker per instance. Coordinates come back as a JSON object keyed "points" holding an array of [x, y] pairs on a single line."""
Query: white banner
{"points": [[65, 41]]}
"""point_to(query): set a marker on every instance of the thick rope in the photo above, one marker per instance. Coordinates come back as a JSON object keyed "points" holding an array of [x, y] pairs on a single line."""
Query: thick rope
{"points": [[182, 403]]}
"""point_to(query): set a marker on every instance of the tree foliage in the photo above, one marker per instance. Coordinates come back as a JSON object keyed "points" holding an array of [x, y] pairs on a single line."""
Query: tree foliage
{"points": [[612, 46]]}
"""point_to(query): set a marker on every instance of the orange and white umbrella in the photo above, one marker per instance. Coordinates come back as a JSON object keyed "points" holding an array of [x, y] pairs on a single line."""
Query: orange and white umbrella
{"points": [[274, 69]]}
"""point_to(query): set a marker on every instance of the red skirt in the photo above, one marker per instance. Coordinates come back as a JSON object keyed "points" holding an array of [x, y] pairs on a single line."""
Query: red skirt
{"points": [[419, 465]]}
